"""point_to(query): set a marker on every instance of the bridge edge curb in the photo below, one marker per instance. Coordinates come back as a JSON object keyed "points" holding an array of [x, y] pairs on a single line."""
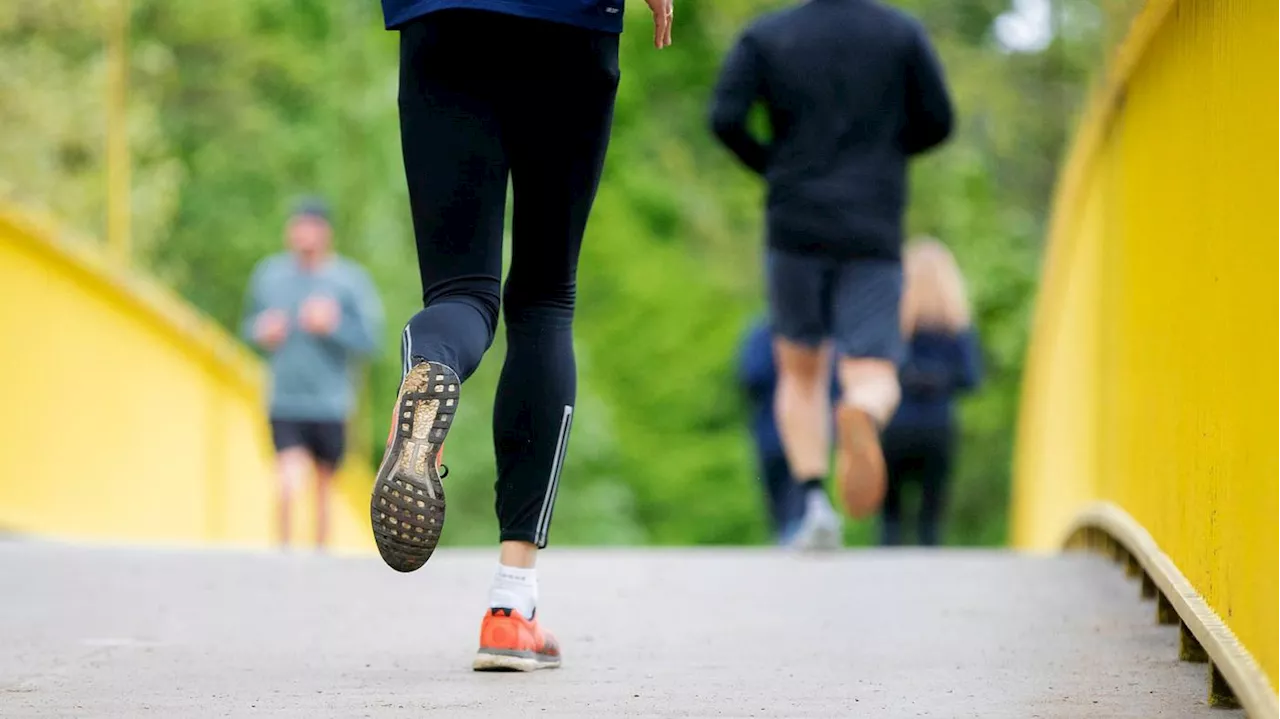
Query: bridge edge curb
{"points": [[1103, 523]]}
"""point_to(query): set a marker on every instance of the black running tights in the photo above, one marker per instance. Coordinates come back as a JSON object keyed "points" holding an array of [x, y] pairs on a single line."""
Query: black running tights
{"points": [[485, 97]]}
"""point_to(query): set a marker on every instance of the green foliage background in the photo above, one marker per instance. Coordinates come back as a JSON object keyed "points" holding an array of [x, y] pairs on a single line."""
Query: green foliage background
{"points": [[237, 106]]}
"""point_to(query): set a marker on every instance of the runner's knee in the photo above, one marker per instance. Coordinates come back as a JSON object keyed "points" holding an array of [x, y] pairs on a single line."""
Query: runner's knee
{"points": [[478, 293], [543, 305], [872, 386], [801, 364]]}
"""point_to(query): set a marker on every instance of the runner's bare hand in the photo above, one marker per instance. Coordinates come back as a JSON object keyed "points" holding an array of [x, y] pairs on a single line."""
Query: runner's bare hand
{"points": [[662, 17], [319, 315], [270, 328]]}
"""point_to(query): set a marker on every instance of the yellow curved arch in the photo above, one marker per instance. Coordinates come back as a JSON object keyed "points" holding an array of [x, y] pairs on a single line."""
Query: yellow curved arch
{"points": [[126, 416], [1148, 384]]}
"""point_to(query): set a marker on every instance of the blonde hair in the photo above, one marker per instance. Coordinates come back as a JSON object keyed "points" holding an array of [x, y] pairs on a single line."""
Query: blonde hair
{"points": [[934, 295]]}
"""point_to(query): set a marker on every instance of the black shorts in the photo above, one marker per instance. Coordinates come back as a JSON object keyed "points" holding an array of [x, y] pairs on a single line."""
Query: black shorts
{"points": [[854, 303], [324, 441]]}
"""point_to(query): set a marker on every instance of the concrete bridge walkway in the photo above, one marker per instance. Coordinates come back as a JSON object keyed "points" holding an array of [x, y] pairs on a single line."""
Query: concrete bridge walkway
{"points": [[93, 632]]}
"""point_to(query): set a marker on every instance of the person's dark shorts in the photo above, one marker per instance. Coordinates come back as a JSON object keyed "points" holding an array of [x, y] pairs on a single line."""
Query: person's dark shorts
{"points": [[324, 441], [854, 303]]}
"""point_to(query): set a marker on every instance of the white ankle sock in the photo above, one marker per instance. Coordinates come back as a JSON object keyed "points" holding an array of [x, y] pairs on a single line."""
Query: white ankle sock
{"points": [[515, 588]]}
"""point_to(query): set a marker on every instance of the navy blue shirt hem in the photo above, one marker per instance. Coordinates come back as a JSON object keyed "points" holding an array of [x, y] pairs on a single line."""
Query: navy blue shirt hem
{"points": [[400, 12]]}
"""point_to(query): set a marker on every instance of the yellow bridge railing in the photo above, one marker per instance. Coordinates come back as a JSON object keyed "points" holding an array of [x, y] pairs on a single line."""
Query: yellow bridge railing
{"points": [[125, 416], [1149, 401]]}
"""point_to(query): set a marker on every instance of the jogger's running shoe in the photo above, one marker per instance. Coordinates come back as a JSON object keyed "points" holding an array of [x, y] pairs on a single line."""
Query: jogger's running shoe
{"points": [[821, 529], [860, 469], [407, 506], [511, 643]]}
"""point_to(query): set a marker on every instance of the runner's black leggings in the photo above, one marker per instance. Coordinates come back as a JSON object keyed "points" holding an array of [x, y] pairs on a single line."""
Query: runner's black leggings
{"points": [[484, 97], [916, 454]]}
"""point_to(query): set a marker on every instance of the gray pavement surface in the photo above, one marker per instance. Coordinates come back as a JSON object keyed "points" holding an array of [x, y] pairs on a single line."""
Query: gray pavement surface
{"points": [[646, 633]]}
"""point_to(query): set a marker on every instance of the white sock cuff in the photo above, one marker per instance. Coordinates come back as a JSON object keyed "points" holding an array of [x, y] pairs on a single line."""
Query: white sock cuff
{"points": [[527, 576], [515, 588]]}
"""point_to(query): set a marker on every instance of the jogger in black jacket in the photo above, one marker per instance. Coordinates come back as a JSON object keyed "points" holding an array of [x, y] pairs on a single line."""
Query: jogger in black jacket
{"points": [[853, 89]]}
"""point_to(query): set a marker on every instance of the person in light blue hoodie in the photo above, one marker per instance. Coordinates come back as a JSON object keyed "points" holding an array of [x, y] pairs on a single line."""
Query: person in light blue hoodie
{"points": [[314, 314]]}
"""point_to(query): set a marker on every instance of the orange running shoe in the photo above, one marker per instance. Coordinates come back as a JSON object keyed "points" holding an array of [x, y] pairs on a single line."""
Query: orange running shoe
{"points": [[860, 470], [511, 643], [407, 506]]}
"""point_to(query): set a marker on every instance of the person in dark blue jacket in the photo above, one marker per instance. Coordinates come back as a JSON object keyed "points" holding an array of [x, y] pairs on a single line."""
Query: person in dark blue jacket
{"points": [[496, 93], [758, 376], [942, 361]]}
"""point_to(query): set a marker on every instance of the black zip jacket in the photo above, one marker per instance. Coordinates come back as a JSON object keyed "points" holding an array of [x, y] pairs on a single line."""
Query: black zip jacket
{"points": [[853, 89]]}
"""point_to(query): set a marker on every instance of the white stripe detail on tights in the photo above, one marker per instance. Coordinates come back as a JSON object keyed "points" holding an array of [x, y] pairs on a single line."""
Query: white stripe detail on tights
{"points": [[406, 353], [553, 482]]}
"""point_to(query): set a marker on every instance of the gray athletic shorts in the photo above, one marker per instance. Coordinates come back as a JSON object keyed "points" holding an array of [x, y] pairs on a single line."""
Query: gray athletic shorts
{"points": [[854, 303]]}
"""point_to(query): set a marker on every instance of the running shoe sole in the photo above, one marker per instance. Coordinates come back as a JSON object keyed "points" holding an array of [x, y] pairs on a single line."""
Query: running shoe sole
{"points": [[860, 468], [510, 660], [407, 506]]}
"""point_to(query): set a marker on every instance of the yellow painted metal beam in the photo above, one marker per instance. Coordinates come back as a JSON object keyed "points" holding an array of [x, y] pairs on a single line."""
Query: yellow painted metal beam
{"points": [[1149, 379], [129, 417]]}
